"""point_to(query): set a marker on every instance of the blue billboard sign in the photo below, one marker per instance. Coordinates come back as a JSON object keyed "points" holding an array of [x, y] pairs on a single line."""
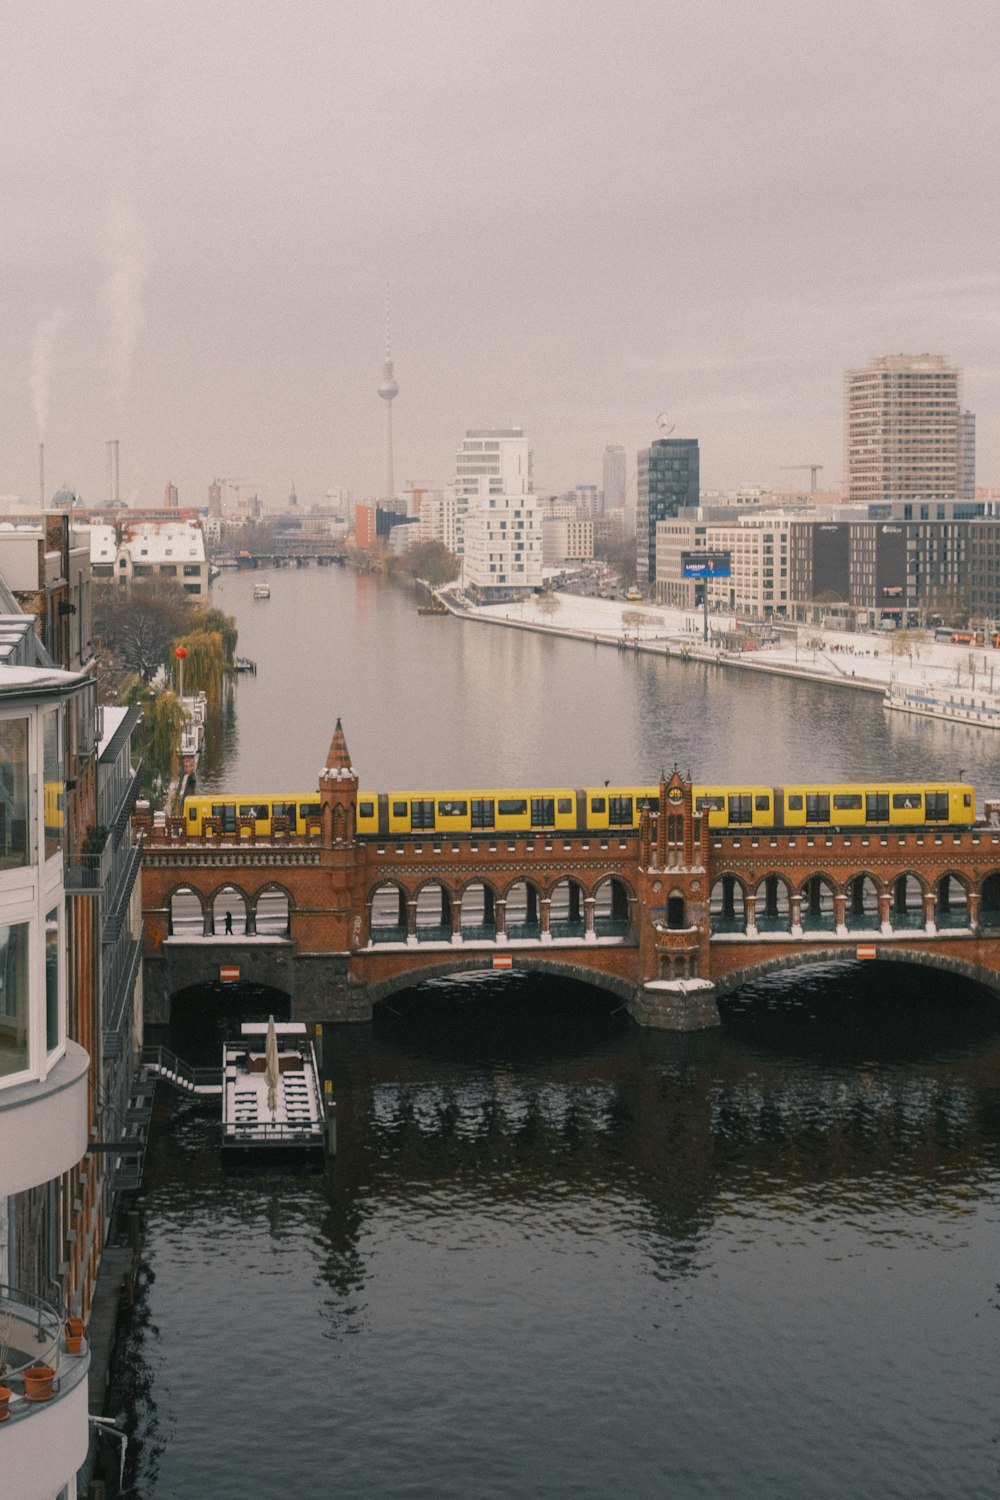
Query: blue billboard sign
{"points": [[705, 564]]}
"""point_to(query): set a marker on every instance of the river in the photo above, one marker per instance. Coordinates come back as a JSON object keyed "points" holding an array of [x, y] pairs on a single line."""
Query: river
{"points": [[558, 1256]]}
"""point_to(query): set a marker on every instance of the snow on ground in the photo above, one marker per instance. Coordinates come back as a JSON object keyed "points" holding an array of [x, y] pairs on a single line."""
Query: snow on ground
{"points": [[858, 660]]}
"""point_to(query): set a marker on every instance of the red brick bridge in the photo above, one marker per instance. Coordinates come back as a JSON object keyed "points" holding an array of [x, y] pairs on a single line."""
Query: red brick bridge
{"points": [[666, 917]]}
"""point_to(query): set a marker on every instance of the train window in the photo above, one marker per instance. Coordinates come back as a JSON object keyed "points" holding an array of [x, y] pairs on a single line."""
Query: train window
{"points": [[482, 812], [847, 801], [422, 812], [710, 804], [936, 807], [365, 809], [192, 815], [620, 812], [877, 807], [453, 809], [226, 814], [762, 804], [543, 812], [565, 805], [817, 807], [740, 809], [310, 809], [967, 800], [399, 809], [597, 804], [907, 801], [254, 810], [283, 809], [512, 807], [794, 802]]}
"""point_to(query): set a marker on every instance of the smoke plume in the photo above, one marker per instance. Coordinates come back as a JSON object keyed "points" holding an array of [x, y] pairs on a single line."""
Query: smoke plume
{"points": [[127, 261], [46, 333]]}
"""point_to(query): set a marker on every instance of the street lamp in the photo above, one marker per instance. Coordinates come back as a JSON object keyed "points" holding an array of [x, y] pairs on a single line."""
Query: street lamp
{"points": [[181, 655]]}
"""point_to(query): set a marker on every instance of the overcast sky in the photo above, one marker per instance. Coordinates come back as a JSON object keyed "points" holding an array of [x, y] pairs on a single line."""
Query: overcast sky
{"points": [[587, 213]]}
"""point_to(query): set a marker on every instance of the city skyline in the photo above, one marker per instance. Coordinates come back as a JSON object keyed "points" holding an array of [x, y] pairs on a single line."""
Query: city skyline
{"points": [[206, 285]]}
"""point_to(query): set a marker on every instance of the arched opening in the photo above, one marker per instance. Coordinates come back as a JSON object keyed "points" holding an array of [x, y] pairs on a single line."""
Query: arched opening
{"points": [[952, 907], [272, 912], [907, 907], [676, 912], [522, 912], [566, 917], [388, 915], [772, 909], [817, 913], [433, 913], [727, 906], [989, 905], [479, 919], [186, 914], [611, 909], [203, 1016], [229, 913], [861, 912]]}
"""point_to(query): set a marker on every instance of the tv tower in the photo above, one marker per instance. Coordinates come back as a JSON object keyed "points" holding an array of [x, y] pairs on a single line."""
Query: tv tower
{"points": [[388, 390]]}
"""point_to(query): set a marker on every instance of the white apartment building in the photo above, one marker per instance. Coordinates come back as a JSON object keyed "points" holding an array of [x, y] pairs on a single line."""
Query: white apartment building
{"points": [[144, 549], [503, 547], [566, 539], [758, 548], [43, 1086], [438, 509], [492, 461]]}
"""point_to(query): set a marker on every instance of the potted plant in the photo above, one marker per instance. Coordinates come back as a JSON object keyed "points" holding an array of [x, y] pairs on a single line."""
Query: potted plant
{"points": [[38, 1382], [74, 1335], [5, 1395]]}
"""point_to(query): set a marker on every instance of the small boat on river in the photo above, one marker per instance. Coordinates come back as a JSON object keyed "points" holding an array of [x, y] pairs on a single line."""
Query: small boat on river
{"points": [[262, 591]]}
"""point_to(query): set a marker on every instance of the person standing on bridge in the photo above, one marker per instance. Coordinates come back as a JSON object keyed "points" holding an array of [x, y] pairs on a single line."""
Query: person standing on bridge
{"points": [[229, 922]]}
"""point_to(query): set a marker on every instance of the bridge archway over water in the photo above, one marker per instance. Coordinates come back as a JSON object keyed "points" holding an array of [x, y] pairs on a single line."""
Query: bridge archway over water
{"points": [[203, 1016], [482, 967], [727, 984]]}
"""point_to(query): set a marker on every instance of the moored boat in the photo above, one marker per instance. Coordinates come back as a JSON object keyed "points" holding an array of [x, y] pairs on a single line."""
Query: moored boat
{"points": [[262, 591], [951, 705]]}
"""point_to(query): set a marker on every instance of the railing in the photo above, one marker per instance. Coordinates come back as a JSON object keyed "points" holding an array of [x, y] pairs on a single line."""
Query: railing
{"points": [[174, 1070], [30, 1333]]}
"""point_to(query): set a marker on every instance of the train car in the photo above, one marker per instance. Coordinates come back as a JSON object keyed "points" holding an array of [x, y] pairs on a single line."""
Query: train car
{"points": [[615, 807], [736, 806], [487, 810], [303, 814], [892, 803]]}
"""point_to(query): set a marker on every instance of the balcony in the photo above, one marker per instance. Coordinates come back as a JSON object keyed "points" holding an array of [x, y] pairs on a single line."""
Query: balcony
{"points": [[44, 1439], [43, 1126]]}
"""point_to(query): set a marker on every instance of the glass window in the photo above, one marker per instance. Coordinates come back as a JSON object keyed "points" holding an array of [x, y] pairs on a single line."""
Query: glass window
{"points": [[877, 807], [311, 810], [52, 946], [365, 809], [906, 801], [741, 809], [14, 841], [399, 809], [936, 807], [817, 807], [511, 807], [620, 812], [422, 812], [226, 814], [482, 812], [13, 998], [543, 812], [55, 786], [597, 804], [847, 801], [565, 805], [710, 804], [453, 809], [762, 803]]}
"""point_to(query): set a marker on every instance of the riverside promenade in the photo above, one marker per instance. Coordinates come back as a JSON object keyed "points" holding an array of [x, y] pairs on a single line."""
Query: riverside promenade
{"points": [[868, 661]]}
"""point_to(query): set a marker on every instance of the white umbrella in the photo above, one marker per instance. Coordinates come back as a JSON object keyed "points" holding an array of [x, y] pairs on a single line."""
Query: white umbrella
{"points": [[272, 1072]]}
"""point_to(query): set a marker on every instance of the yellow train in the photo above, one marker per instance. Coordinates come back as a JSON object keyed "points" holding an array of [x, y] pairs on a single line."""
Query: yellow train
{"points": [[599, 809]]}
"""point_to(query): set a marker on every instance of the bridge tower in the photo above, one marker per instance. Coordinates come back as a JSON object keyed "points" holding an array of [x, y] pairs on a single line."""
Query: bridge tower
{"points": [[674, 992]]}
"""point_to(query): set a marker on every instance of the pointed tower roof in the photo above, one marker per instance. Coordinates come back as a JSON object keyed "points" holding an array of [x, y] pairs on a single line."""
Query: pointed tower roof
{"points": [[338, 756]]}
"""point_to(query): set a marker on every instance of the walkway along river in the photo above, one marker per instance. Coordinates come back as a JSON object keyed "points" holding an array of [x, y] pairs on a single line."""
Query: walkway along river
{"points": [[559, 1256]]}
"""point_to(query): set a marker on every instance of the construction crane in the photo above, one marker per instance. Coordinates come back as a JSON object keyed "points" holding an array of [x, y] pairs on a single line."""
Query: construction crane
{"points": [[813, 471]]}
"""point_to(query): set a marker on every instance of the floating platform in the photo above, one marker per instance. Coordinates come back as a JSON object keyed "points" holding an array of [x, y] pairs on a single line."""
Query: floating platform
{"points": [[278, 1109]]}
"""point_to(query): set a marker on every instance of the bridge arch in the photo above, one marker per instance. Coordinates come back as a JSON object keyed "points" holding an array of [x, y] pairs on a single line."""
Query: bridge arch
{"points": [[727, 903], [614, 903], [387, 907], [272, 910], [773, 904], [432, 902], [478, 911], [230, 911], [818, 908], [862, 912], [907, 907], [820, 957], [186, 912], [989, 903], [522, 908], [622, 989]]}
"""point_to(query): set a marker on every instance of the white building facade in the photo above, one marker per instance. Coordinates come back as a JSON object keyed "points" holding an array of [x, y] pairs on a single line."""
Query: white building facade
{"points": [[503, 547]]}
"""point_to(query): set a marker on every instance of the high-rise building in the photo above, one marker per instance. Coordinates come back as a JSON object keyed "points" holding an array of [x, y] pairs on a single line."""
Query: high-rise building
{"points": [[614, 476], [667, 480], [491, 461], [906, 436]]}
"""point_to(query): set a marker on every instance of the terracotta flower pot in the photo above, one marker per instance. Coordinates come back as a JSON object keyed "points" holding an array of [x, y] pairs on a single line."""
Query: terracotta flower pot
{"points": [[38, 1383], [74, 1335], [5, 1395]]}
